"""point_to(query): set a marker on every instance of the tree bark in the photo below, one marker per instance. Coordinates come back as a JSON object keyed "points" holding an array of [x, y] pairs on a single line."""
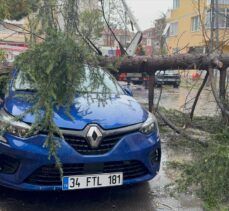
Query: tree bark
{"points": [[151, 91], [222, 84], [139, 64], [198, 95]]}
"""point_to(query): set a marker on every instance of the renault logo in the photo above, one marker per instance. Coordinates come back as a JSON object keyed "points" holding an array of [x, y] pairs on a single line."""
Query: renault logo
{"points": [[94, 136]]}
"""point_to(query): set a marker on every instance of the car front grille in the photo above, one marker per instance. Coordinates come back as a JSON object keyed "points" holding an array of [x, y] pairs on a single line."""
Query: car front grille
{"points": [[49, 175], [81, 145]]}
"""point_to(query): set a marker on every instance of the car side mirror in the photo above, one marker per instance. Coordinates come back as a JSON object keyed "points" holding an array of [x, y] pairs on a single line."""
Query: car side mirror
{"points": [[127, 90]]}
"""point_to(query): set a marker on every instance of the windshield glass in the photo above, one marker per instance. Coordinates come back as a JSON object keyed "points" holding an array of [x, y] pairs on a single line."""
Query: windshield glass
{"points": [[167, 72], [93, 80]]}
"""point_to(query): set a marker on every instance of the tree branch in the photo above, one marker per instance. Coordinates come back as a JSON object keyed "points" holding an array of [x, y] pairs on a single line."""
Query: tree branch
{"points": [[180, 131], [198, 95]]}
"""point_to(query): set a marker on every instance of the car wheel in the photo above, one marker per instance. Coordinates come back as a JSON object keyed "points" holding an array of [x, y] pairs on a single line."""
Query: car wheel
{"points": [[176, 86]]}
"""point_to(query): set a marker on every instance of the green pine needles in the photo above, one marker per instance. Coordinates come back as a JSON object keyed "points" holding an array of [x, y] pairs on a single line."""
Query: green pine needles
{"points": [[56, 71], [208, 173]]}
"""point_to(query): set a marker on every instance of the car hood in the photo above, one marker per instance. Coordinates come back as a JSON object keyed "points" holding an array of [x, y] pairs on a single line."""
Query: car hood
{"points": [[115, 112]]}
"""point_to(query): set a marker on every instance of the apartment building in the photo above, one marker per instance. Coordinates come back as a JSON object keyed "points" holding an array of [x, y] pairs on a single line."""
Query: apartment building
{"points": [[151, 39], [123, 36], [189, 26]]}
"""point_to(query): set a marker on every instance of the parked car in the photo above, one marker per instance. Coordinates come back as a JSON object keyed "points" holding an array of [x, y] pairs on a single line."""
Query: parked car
{"points": [[168, 77], [116, 143], [135, 78]]}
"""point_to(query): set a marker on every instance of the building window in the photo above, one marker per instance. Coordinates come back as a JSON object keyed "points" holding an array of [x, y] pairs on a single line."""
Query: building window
{"points": [[223, 18], [173, 29], [176, 50], [195, 23], [149, 42], [176, 4], [225, 2]]}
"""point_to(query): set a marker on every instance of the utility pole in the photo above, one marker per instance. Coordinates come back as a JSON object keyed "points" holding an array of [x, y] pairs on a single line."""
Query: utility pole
{"points": [[217, 25], [216, 31], [214, 43], [212, 25]]}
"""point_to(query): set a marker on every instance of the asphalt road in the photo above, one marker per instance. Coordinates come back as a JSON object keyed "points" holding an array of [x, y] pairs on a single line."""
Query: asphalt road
{"points": [[131, 198], [180, 98]]}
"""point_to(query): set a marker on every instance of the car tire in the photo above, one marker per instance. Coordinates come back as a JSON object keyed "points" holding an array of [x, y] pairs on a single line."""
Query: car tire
{"points": [[176, 86]]}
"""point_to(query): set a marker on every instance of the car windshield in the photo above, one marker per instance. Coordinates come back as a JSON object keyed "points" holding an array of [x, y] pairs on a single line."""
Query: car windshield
{"points": [[167, 72], [93, 80]]}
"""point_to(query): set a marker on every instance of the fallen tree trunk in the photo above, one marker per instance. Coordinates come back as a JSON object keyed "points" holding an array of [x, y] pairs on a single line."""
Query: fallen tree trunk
{"points": [[140, 64]]}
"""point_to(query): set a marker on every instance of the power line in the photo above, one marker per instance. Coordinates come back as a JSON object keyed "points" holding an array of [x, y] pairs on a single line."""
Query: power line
{"points": [[20, 27]]}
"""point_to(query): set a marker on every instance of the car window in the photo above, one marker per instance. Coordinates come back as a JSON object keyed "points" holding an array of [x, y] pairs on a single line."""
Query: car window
{"points": [[167, 72], [93, 80]]}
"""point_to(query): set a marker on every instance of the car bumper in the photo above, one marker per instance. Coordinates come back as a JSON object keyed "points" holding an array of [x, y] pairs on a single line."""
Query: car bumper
{"points": [[30, 155]]}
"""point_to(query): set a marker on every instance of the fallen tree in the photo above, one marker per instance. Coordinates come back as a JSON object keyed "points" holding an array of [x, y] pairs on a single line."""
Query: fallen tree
{"points": [[143, 64], [172, 62]]}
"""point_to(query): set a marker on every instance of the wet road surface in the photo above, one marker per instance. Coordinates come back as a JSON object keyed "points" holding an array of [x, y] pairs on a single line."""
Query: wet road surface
{"points": [[180, 98], [119, 198]]}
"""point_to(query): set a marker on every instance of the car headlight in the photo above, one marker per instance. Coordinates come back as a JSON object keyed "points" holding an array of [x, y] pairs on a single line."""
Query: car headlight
{"points": [[150, 125], [10, 125]]}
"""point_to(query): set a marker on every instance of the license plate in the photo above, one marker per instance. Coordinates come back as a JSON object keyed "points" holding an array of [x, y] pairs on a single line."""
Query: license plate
{"points": [[169, 80], [92, 181]]}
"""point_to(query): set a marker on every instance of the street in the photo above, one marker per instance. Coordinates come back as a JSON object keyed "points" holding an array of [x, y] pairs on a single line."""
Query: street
{"points": [[179, 98]]}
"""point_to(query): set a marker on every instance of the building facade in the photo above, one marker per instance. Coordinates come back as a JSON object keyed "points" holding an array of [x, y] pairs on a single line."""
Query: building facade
{"points": [[152, 38], [149, 42], [12, 38], [195, 25], [123, 36]]}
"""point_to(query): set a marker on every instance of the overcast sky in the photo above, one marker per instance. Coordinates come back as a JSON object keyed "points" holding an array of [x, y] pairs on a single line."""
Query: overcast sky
{"points": [[148, 10]]}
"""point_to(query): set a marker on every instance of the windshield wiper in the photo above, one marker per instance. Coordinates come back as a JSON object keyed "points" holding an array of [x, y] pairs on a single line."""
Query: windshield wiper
{"points": [[25, 90]]}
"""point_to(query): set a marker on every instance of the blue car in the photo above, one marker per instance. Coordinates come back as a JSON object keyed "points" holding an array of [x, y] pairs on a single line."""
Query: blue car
{"points": [[106, 144]]}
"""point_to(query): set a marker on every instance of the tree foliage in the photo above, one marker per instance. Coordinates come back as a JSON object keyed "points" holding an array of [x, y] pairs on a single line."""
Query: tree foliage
{"points": [[56, 66], [55, 69], [91, 24], [17, 9], [209, 173]]}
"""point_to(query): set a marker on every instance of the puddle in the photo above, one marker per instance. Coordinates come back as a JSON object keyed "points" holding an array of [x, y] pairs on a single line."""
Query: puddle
{"points": [[176, 98], [161, 197]]}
